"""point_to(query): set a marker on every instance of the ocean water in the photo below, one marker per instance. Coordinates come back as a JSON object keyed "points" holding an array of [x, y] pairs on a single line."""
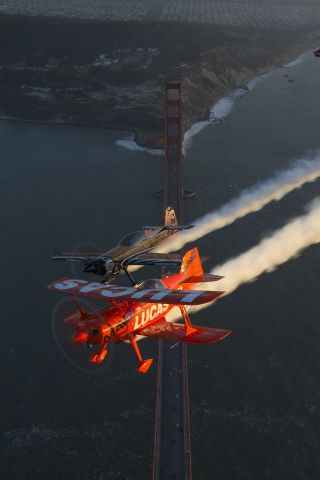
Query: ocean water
{"points": [[254, 397]]}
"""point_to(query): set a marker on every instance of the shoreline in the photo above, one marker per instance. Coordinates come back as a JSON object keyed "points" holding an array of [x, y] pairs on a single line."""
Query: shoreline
{"points": [[132, 136], [41, 86], [232, 97]]}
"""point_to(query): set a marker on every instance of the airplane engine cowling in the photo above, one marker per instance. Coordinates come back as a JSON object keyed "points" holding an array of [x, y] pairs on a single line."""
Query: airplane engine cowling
{"points": [[92, 334], [102, 266]]}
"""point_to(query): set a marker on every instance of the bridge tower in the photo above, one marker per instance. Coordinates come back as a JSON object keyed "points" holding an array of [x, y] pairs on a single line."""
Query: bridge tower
{"points": [[172, 450], [173, 156]]}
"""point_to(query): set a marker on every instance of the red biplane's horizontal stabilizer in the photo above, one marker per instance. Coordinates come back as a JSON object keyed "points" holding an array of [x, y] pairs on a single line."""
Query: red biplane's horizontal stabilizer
{"points": [[178, 332], [104, 292], [203, 278]]}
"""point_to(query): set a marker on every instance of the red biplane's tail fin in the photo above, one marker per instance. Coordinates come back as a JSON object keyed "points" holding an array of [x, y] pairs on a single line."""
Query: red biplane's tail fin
{"points": [[192, 269], [191, 264]]}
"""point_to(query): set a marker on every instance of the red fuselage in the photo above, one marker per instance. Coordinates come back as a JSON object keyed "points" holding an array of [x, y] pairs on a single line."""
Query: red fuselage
{"points": [[119, 322]]}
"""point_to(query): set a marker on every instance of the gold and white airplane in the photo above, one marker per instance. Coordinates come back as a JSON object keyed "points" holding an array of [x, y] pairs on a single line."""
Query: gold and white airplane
{"points": [[134, 249]]}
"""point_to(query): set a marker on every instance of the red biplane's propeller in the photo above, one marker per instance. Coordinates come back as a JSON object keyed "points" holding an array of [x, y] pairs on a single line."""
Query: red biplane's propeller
{"points": [[78, 342], [82, 249]]}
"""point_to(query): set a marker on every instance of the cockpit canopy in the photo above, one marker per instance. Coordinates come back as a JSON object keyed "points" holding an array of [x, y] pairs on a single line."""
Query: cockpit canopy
{"points": [[152, 283], [133, 238]]}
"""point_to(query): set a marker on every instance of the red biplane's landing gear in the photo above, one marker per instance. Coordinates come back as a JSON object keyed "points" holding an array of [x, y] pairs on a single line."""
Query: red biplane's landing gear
{"points": [[144, 365], [98, 357]]}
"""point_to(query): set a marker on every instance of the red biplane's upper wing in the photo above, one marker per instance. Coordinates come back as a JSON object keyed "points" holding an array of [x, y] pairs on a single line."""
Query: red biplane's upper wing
{"points": [[129, 294], [178, 332]]}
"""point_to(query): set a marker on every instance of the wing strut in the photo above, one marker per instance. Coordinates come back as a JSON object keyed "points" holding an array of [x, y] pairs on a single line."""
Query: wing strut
{"points": [[189, 328], [133, 282]]}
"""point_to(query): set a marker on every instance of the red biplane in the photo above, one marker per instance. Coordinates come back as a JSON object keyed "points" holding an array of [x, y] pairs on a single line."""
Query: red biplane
{"points": [[141, 310]]}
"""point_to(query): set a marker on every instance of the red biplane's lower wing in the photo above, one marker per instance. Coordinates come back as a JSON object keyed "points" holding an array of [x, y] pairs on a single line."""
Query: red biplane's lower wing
{"points": [[178, 332], [73, 286]]}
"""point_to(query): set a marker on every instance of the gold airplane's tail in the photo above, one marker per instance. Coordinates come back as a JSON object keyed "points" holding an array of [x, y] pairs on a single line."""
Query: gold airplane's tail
{"points": [[170, 218], [170, 222]]}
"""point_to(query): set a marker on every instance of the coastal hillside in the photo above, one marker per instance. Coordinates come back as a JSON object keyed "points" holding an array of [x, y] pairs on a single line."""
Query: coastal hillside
{"points": [[112, 74]]}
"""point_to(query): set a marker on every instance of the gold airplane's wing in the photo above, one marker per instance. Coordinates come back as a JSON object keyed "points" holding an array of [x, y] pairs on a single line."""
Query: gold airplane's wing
{"points": [[153, 259]]}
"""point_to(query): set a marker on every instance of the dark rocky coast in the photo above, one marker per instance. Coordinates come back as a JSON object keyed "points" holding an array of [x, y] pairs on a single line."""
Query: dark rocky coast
{"points": [[112, 74]]}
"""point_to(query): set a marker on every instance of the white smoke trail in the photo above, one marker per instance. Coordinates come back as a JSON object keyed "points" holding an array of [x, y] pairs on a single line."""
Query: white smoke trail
{"points": [[251, 200], [283, 245]]}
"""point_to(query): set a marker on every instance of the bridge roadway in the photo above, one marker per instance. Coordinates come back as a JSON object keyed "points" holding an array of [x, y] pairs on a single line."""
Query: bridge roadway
{"points": [[172, 454]]}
